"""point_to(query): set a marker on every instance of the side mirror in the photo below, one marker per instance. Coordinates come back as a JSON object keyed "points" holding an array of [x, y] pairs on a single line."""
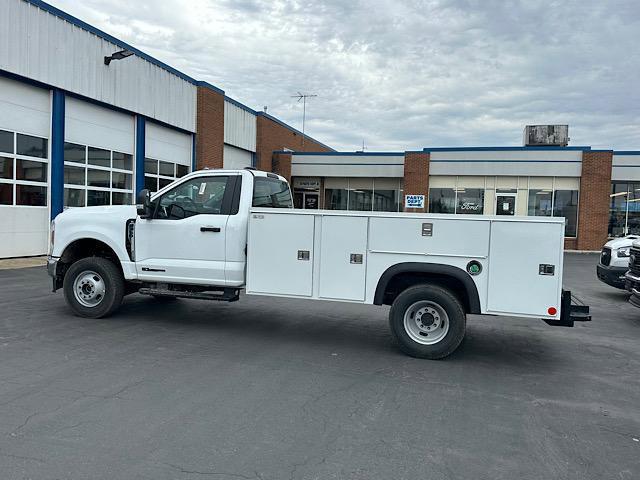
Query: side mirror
{"points": [[143, 203]]}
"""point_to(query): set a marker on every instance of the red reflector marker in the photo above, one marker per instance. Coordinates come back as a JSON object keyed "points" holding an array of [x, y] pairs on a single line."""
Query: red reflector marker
{"points": [[552, 310]]}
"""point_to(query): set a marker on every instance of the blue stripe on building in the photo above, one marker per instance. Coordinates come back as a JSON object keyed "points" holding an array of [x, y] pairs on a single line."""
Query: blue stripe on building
{"points": [[140, 151], [57, 152]]}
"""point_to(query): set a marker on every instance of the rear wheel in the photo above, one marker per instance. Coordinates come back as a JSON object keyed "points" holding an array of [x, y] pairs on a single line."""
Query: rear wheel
{"points": [[94, 287], [427, 321]]}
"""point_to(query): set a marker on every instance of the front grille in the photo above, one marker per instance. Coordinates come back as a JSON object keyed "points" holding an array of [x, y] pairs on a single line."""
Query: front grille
{"points": [[634, 261], [605, 256]]}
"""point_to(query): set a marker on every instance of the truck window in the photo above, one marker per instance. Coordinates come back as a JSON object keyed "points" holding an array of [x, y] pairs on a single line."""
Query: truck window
{"points": [[200, 195], [272, 193]]}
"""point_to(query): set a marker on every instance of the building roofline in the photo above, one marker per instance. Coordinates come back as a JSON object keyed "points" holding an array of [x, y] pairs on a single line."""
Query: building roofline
{"points": [[110, 38], [289, 127], [464, 149], [351, 154], [240, 105]]}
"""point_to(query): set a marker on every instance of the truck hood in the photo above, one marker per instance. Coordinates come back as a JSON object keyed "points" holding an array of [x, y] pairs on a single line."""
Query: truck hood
{"points": [[105, 224], [622, 242], [97, 213]]}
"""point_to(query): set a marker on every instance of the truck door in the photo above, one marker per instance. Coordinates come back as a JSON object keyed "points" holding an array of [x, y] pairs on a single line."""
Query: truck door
{"points": [[184, 241]]}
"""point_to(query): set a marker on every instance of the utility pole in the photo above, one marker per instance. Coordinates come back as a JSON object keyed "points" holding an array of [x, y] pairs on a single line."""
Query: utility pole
{"points": [[303, 97]]}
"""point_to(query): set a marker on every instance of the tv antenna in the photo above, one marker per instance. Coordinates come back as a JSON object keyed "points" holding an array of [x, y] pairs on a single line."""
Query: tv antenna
{"points": [[303, 97]]}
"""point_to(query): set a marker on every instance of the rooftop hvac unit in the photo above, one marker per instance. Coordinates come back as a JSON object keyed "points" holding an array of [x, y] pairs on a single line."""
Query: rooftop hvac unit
{"points": [[546, 135]]}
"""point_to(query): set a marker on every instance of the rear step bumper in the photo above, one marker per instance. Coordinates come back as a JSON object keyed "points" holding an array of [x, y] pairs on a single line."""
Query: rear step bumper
{"points": [[572, 310]]}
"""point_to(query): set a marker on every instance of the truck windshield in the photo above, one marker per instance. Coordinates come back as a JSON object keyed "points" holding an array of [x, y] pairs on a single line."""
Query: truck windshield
{"points": [[271, 192]]}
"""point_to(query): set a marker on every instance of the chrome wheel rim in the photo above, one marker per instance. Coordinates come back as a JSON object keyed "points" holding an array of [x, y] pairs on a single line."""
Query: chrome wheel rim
{"points": [[89, 288], [426, 322]]}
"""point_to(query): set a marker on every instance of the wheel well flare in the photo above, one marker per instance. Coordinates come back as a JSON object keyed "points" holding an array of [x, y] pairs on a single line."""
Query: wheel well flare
{"points": [[398, 278]]}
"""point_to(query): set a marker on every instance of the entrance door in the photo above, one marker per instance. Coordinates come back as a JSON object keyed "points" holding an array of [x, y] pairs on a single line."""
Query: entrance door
{"points": [[311, 201], [306, 200], [184, 242], [505, 204]]}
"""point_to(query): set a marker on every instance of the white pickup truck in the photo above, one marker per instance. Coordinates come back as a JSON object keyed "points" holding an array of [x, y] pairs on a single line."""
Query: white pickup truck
{"points": [[213, 233]]}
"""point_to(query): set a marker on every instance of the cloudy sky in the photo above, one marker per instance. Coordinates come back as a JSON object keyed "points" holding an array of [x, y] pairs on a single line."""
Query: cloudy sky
{"points": [[404, 74]]}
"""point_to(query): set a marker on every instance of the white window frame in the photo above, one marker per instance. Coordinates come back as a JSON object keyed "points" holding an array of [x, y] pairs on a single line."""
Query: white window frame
{"points": [[87, 166], [14, 182], [157, 176]]}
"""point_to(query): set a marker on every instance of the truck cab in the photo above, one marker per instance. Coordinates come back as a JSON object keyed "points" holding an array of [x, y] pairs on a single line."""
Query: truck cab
{"points": [[192, 232]]}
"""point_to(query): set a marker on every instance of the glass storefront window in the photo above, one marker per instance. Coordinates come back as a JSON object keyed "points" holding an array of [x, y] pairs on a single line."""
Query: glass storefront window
{"points": [[6, 141], [33, 195], [159, 174], [31, 146], [360, 200], [633, 209], [31, 171], [96, 198], [540, 203], [335, 198], [470, 201], [6, 194], [96, 176], [442, 200], [74, 153], [385, 201], [99, 157], [6, 167], [23, 181], [73, 197], [565, 204], [618, 209]]}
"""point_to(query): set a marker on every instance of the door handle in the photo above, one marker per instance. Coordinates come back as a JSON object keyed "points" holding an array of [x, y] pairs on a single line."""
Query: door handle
{"points": [[210, 229]]}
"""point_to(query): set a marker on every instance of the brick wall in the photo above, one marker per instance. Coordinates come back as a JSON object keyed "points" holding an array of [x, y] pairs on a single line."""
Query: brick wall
{"points": [[416, 177], [273, 136], [282, 165], [209, 128], [593, 207]]}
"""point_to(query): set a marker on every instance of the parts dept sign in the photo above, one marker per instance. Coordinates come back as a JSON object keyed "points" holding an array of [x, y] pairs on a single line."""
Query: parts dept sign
{"points": [[414, 201]]}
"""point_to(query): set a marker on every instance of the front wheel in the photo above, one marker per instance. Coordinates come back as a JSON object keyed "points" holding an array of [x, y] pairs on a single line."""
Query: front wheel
{"points": [[427, 321], [93, 287]]}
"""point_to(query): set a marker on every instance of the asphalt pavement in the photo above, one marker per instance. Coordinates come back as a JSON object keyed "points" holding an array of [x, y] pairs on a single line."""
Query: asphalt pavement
{"points": [[290, 389]]}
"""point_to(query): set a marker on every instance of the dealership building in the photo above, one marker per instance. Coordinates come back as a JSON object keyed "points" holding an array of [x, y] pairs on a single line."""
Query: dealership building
{"points": [[86, 119]]}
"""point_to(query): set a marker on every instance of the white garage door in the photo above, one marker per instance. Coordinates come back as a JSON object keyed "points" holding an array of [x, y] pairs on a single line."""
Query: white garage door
{"points": [[236, 158], [167, 156], [25, 118], [98, 155]]}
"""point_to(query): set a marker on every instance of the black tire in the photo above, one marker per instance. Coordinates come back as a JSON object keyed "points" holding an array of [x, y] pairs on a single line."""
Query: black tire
{"points": [[113, 286], [440, 299]]}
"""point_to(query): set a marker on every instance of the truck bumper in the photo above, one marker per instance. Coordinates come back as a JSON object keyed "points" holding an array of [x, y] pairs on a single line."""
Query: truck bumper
{"points": [[570, 312], [613, 276], [52, 270], [632, 284]]}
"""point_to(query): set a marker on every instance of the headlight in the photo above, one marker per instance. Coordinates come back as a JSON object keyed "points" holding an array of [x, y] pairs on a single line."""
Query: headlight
{"points": [[52, 236], [623, 252]]}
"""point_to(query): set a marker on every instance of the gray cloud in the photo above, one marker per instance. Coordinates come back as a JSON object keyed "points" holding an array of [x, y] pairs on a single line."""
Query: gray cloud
{"points": [[404, 75]]}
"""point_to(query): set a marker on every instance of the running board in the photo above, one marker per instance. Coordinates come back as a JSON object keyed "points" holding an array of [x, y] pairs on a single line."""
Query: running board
{"points": [[570, 312], [223, 295]]}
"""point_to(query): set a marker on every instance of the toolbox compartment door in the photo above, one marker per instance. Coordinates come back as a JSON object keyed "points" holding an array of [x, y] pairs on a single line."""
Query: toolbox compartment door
{"points": [[343, 257], [521, 259], [280, 254]]}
